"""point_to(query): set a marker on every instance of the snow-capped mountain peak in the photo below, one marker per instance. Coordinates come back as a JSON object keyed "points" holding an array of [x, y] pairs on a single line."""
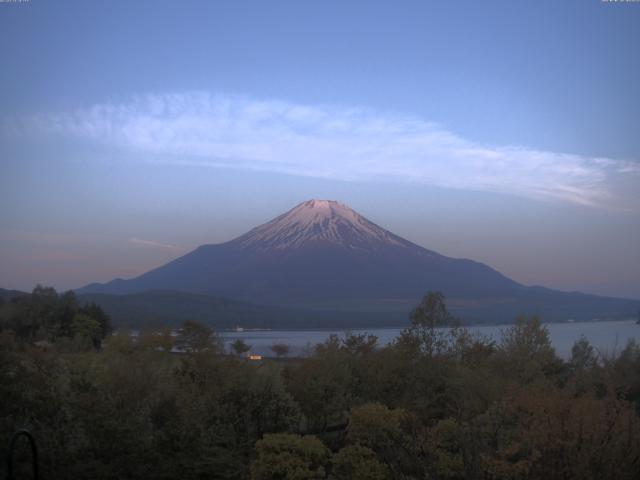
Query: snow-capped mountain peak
{"points": [[313, 221]]}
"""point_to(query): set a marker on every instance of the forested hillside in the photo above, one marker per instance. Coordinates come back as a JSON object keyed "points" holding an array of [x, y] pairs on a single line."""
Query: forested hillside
{"points": [[437, 403]]}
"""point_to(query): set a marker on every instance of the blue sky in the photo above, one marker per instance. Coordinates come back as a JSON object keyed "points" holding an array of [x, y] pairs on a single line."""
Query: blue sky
{"points": [[506, 132]]}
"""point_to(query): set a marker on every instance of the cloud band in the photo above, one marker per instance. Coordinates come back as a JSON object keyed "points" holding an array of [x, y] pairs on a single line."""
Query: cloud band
{"points": [[344, 143]]}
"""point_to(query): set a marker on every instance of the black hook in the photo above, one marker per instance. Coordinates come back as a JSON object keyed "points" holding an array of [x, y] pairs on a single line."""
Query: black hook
{"points": [[34, 454]]}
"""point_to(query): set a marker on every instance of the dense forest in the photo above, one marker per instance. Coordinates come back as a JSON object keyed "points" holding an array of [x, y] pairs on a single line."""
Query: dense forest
{"points": [[437, 403]]}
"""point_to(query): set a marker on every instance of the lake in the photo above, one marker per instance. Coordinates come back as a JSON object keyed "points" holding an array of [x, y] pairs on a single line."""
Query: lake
{"points": [[606, 337]]}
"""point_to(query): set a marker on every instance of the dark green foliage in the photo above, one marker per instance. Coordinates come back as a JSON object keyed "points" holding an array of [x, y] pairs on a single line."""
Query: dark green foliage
{"points": [[280, 349], [431, 312], [583, 356], [104, 322], [360, 344], [626, 372], [46, 316], [526, 353], [355, 462], [240, 347], [429, 331], [388, 433], [465, 409], [289, 457], [195, 337]]}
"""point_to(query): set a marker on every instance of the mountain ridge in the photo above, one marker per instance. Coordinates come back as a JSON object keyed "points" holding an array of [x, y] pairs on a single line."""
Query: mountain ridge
{"points": [[323, 255], [319, 220]]}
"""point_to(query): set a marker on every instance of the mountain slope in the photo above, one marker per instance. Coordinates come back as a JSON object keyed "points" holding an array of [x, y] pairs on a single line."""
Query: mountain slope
{"points": [[169, 308], [323, 255], [7, 295]]}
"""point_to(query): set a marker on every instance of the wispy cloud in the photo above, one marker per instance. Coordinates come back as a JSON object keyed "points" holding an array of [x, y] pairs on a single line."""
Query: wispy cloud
{"points": [[337, 142], [154, 244], [76, 239]]}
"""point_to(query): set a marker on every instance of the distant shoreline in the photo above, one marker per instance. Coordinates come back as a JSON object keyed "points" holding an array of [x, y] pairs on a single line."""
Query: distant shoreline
{"points": [[391, 327]]}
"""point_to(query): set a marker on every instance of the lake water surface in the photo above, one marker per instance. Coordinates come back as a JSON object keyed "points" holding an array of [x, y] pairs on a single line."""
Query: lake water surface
{"points": [[606, 337]]}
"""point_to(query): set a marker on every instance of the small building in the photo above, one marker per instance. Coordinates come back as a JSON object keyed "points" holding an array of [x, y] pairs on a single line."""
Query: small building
{"points": [[255, 357]]}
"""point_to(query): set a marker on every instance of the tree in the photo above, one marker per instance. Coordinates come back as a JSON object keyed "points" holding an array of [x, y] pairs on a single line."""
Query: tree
{"points": [[385, 431], [330, 346], [624, 371], [45, 315], [153, 340], [280, 349], [583, 356], [196, 337], [443, 442], [431, 312], [104, 321], [121, 342], [64, 314], [240, 347], [545, 432], [87, 329], [289, 457], [166, 339], [355, 462], [34, 316], [322, 385], [427, 333], [359, 344], [526, 351], [44, 292]]}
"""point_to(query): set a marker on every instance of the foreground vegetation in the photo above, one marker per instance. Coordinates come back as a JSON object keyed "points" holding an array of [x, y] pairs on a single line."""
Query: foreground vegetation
{"points": [[436, 404]]}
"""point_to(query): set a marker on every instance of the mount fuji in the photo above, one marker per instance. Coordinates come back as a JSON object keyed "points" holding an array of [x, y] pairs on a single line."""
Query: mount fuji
{"points": [[324, 256]]}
